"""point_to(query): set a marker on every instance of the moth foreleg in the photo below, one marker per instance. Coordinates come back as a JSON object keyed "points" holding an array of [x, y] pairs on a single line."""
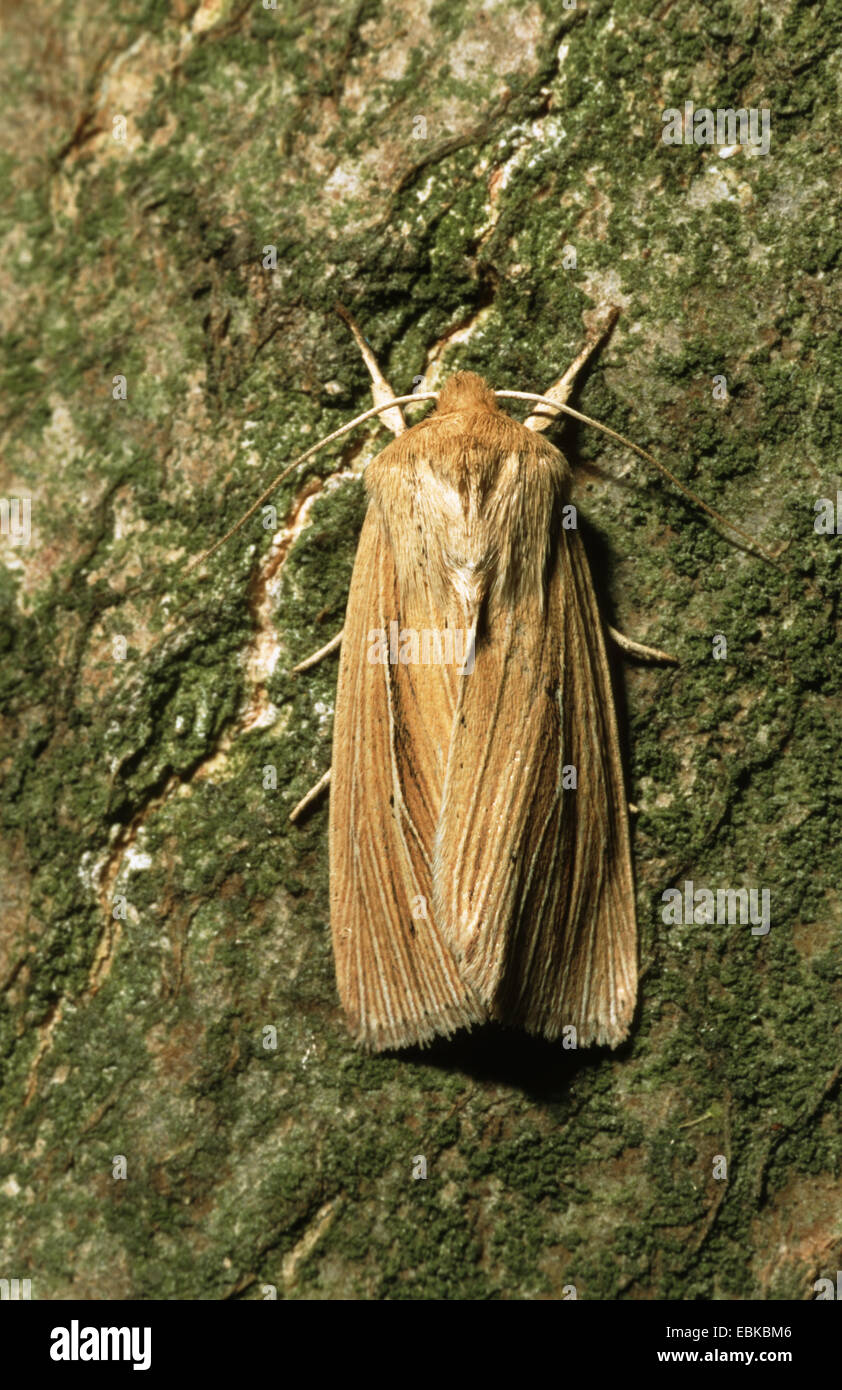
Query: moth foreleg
{"points": [[633, 648], [323, 782], [561, 389], [311, 796], [320, 654]]}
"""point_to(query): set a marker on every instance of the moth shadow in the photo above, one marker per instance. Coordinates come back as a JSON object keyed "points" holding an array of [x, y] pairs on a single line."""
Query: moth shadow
{"points": [[543, 1071]]}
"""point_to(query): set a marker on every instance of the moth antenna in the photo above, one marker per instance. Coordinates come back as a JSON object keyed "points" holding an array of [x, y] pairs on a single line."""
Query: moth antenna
{"points": [[328, 439], [586, 419], [380, 388]]}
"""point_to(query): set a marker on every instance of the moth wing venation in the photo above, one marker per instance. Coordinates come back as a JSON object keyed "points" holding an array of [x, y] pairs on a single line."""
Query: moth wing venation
{"points": [[397, 979], [532, 878]]}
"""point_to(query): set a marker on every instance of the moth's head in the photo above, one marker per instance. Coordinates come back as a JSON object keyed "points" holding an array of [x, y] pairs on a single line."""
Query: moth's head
{"points": [[465, 391]]}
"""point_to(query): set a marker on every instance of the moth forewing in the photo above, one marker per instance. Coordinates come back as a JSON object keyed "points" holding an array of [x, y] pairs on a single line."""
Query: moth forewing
{"points": [[469, 879], [397, 980]]}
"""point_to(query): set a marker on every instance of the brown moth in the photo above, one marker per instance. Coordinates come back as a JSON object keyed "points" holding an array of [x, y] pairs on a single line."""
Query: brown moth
{"points": [[479, 848], [480, 864]]}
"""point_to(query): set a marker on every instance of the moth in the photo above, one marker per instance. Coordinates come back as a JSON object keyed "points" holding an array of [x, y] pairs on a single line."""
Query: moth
{"points": [[467, 880], [480, 859]]}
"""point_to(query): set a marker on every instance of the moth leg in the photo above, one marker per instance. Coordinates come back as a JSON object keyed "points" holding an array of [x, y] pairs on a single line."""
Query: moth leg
{"points": [[324, 651], [561, 389], [324, 781], [626, 644], [311, 796], [381, 391]]}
